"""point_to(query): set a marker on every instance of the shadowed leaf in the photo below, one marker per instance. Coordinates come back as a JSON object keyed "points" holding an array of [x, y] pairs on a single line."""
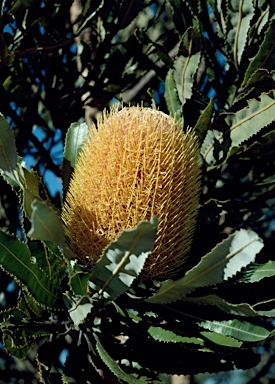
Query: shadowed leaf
{"points": [[17, 260]]}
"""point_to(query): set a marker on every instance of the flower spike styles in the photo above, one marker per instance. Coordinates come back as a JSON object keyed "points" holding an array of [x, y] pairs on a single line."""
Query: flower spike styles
{"points": [[137, 163]]}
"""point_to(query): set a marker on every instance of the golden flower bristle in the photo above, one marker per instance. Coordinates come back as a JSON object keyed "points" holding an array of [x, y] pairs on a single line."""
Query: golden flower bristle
{"points": [[137, 163]]}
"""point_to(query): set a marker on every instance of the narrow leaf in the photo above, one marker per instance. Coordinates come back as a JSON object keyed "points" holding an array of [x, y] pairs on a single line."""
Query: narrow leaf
{"points": [[172, 97], [166, 335], [124, 258], [241, 13], [204, 121], [211, 270], [240, 330], [113, 365], [242, 309], [225, 341], [258, 273], [8, 155], [265, 57], [187, 63], [15, 259], [46, 224]]}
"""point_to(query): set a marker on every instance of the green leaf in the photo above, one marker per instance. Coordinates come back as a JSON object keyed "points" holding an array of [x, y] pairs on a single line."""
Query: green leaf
{"points": [[79, 310], [113, 365], [242, 309], [226, 259], [238, 127], [75, 138], [79, 282], [258, 273], [240, 330], [16, 259], [15, 349], [124, 259], [172, 98], [204, 121], [220, 339], [187, 63], [265, 57], [33, 186], [8, 155], [46, 224], [240, 14], [166, 335]]}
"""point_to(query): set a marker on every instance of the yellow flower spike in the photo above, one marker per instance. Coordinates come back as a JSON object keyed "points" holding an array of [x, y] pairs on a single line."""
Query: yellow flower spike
{"points": [[136, 164]]}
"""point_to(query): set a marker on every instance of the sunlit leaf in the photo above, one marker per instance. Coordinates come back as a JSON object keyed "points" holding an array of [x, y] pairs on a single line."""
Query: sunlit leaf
{"points": [[221, 339], [75, 138], [260, 272], [242, 247], [166, 335], [240, 330], [80, 310], [124, 259]]}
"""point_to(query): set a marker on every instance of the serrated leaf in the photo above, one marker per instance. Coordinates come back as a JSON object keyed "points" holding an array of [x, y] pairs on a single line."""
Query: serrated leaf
{"points": [[187, 63], [113, 365], [46, 224], [265, 57], [239, 127], [172, 97], [240, 13], [204, 121], [240, 330], [242, 309], [123, 259], [217, 338], [15, 259], [80, 310], [242, 246], [165, 335], [246, 255], [260, 272], [19, 351]]}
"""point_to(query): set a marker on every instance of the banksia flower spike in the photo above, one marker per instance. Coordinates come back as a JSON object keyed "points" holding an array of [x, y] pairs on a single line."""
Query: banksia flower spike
{"points": [[136, 164]]}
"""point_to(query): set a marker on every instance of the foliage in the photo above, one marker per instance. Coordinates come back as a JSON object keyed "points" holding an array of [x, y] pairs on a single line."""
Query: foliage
{"points": [[216, 60]]}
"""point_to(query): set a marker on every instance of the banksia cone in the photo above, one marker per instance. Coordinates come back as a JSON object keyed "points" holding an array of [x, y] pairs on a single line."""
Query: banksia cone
{"points": [[136, 164]]}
